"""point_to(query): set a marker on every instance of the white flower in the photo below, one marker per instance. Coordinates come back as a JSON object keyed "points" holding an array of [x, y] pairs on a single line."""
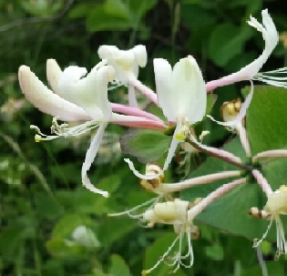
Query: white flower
{"points": [[271, 38], [182, 97], [173, 213], [249, 72], [125, 62], [276, 205], [77, 99]]}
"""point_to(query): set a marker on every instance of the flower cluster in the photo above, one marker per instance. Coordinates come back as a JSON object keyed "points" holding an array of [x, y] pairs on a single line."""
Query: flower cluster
{"points": [[77, 95]]}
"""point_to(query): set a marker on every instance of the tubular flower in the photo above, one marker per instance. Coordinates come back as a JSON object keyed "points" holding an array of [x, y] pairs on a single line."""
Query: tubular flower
{"points": [[271, 38], [250, 72], [126, 64], [77, 100], [276, 205], [173, 213], [182, 97]]}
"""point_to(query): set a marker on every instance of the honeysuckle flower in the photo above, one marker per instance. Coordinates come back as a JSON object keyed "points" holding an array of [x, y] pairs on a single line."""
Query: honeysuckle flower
{"points": [[250, 72], [276, 205], [126, 64], [270, 36], [173, 213], [183, 107], [54, 74], [77, 99]]}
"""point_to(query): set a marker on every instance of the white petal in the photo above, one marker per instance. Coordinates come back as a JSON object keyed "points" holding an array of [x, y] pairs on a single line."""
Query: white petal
{"points": [[270, 36], [89, 92], [108, 52], [53, 73], [189, 93], [140, 55], [125, 63], [163, 72], [90, 156], [242, 112], [45, 100]]}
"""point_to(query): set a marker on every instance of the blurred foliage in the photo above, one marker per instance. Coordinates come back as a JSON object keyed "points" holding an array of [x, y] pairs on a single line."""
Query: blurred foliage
{"points": [[50, 224]]}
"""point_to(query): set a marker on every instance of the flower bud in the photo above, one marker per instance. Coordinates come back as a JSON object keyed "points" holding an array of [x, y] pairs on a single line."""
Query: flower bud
{"points": [[229, 110], [152, 184], [277, 202]]}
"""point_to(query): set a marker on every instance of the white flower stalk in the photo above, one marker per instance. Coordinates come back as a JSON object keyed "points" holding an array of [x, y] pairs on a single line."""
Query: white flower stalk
{"points": [[271, 38], [173, 213], [126, 65], [184, 107], [276, 205]]}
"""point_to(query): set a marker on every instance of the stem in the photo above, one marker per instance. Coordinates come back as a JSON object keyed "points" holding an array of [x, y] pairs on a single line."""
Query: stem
{"points": [[243, 139], [221, 154], [150, 94], [175, 187], [197, 209], [128, 110], [281, 153], [261, 180]]}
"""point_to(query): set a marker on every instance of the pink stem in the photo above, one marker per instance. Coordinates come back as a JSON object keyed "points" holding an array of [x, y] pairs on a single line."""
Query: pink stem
{"points": [[150, 94], [197, 209], [281, 153], [188, 183], [261, 180], [243, 139], [120, 108], [136, 122]]}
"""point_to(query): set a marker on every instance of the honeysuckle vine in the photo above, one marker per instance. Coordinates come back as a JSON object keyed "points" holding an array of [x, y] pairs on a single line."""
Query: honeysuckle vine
{"points": [[77, 95]]}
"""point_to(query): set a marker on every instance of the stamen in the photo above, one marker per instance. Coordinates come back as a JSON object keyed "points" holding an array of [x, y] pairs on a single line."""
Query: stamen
{"points": [[256, 241], [130, 212], [271, 78], [64, 130]]}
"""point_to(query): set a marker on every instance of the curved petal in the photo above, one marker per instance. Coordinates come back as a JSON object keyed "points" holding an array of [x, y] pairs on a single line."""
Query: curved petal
{"points": [[90, 156], [125, 62], [140, 55], [188, 87], [163, 72], [45, 100], [242, 112], [53, 73], [90, 92], [270, 36]]}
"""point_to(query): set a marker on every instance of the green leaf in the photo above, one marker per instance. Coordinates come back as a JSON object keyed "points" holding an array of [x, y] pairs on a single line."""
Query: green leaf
{"points": [[230, 212], [112, 15], [211, 99], [119, 267], [226, 42], [266, 119], [146, 145], [140, 8], [113, 229], [64, 248]]}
